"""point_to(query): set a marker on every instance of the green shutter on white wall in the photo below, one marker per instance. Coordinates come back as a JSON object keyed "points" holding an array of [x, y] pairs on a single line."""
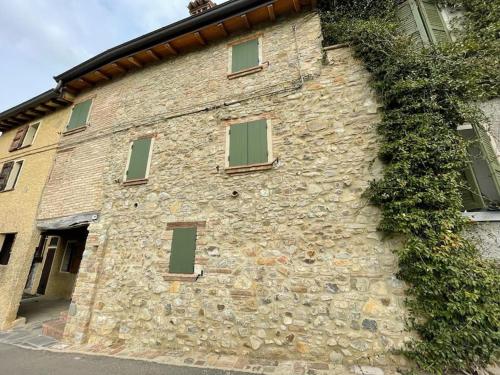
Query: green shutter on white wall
{"points": [[182, 255], [139, 159], [245, 55], [489, 155], [79, 115], [471, 197], [434, 23], [411, 22]]}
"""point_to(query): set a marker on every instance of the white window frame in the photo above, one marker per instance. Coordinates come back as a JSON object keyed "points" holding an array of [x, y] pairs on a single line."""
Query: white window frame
{"points": [[11, 185], [270, 158], [64, 256], [241, 41], [23, 144], [148, 167]]}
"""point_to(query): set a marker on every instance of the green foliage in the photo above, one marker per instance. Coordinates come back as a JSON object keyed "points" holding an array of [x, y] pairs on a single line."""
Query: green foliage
{"points": [[453, 294]]}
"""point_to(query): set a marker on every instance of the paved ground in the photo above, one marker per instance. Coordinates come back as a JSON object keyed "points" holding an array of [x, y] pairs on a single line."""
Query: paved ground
{"points": [[19, 361]]}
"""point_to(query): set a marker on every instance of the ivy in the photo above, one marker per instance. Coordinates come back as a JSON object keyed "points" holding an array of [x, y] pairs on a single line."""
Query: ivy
{"points": [[453, 295]]}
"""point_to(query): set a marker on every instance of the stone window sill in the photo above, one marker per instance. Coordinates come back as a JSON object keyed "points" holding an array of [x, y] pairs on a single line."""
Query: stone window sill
{"points": [[76, 130], [248, 168], [192, 277], [481, 216], [245, 72], [141, 181]]}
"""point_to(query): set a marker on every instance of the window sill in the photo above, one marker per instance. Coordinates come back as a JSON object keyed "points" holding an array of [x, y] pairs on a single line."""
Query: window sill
{"points": [[249, 168], [6, 191], [245, 72], [482, 216], [142, 181], [76, 130], [22, 147], [191, 277]]}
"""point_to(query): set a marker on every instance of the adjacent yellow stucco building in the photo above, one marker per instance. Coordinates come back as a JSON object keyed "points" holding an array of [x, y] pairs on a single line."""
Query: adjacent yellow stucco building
{"points": [[27, 152]]}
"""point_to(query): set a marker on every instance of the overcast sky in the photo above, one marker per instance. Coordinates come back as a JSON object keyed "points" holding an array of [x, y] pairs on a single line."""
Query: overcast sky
{"points": [[42, 38]]}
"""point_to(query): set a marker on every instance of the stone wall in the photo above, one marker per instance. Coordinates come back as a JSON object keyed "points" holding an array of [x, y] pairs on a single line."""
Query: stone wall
{"points": [[294, 267]]}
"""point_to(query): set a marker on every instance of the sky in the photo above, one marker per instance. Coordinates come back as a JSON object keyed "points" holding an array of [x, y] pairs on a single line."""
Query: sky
{"points": [[43, 38]]}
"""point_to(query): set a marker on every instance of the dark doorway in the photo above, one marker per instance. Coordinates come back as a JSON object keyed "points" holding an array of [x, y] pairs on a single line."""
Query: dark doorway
{"points": [[44, 279]]}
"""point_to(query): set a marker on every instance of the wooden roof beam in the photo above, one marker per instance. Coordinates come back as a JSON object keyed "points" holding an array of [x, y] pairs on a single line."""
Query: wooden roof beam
{"points": [[118, 67], [103, 75], [171, 49], [13, 122], [85, 81], [34, 112], [43, 108], [154, 55], [246, 21], [135, 61], [296, 5], [222, 28], [200, 38], [53, 104], [24, 117], [270, 11]]}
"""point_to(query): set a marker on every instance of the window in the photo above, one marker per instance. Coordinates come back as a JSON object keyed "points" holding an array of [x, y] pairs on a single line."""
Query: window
{"points": [[248, 144], [139, 160], [10, 175], [422, 20], [79, 115], [72, 256], [182, 253], [245, 56], [30, 135], [24, 136], [483, 173], [6, 242]]}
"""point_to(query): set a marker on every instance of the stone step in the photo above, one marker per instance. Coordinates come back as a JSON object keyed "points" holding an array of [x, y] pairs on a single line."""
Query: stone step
{"points": [[54, 328]]}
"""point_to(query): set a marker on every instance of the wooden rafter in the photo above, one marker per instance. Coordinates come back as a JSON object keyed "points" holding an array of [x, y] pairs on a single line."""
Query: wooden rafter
{"points": [[222, 28], [24, 117], [200, 38], [53, 104], [103, 75], [135, 61], [270, 11], [33, 112], [153, 54], [246, 21], [296, 5], [118, 67], [85, 81], [171, 49]]}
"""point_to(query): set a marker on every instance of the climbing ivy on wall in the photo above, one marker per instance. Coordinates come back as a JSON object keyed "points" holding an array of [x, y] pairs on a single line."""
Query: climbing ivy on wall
{"points": [[453, 294]]}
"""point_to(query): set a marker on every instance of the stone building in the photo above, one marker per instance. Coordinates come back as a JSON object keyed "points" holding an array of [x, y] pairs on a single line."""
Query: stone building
{"points": [[213, 172]]}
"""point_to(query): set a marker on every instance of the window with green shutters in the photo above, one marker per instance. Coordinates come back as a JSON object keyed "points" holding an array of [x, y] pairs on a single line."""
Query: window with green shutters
{"points": [[248, 143], [245, 55], [482, 176], [79, 115], [139, 159], [182, 254], [422, 19]]}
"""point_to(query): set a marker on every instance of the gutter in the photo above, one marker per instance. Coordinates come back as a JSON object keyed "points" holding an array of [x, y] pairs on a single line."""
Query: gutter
{"points": [[182, 27]]}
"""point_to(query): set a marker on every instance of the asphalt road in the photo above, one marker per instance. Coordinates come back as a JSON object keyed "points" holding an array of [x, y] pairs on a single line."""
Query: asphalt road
{"points": [[18, 361]]}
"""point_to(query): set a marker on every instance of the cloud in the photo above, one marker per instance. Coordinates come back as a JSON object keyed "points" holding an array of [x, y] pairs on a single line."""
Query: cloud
{"points": [[43, 38]]}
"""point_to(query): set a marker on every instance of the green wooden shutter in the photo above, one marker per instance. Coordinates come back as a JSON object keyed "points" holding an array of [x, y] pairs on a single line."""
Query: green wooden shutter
{"points": [[471, 197], [245, 55], [79, 115], [489, 155], [182, 254], [139, 159], [5, 174], [411, 22], [434, 23], [257, 142], [238, 144]]}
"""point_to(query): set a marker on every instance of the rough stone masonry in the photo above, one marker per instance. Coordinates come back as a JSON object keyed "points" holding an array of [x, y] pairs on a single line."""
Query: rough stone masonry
{"points": [[294, 267]]}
